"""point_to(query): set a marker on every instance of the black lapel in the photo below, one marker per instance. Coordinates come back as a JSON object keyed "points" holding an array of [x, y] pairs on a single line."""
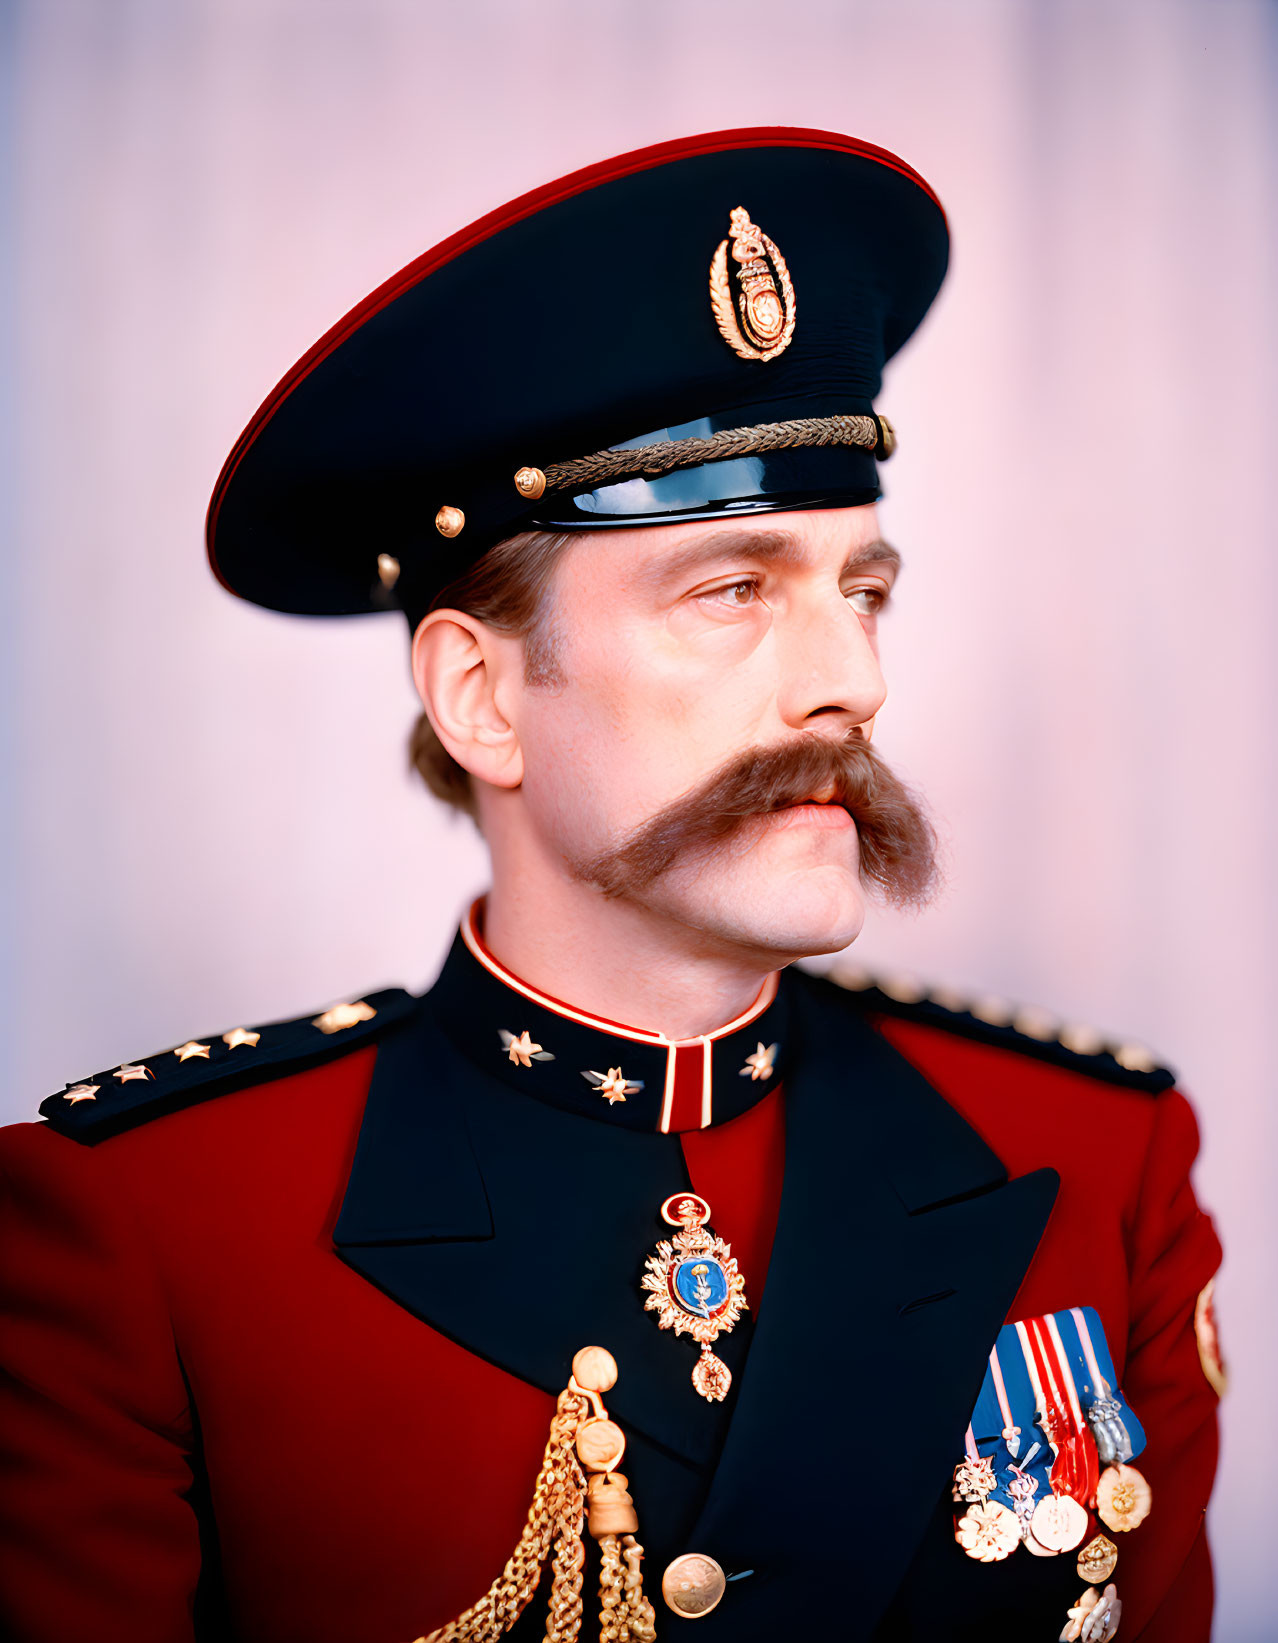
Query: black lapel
{"points": [[899, 1249], [519, 1230]]}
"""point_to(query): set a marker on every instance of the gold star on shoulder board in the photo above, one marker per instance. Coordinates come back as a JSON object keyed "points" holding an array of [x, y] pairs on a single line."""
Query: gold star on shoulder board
{"points": [[82, 1092], [184, 1052], [342, 1016], [129, 1072], [238, 1036]]}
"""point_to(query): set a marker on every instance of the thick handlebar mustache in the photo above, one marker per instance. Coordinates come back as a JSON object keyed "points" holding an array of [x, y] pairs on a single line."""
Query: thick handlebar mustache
{"points": [[897, 841]]}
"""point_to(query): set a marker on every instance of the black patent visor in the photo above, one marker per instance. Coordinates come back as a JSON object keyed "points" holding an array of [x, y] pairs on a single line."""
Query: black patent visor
{"points": [[818, 476]]}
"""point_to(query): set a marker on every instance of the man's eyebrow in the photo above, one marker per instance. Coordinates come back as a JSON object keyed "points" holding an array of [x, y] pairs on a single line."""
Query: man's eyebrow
{"points": [[874, 553], [771, 547]]}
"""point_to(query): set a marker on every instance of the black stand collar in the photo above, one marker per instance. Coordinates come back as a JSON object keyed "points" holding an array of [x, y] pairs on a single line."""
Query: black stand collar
{"points": [[624, 1076]]}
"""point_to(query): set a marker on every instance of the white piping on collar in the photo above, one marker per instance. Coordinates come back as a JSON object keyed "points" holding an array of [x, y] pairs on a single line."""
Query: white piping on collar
{"points": [[667, 1099], [766, 994]]}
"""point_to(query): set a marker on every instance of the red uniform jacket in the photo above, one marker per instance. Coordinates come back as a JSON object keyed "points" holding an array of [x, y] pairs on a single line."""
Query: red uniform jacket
{"points": [[280, 1365]]}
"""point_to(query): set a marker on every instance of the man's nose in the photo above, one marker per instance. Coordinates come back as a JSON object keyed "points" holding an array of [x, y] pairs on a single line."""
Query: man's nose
{"points": [[827, 666]]}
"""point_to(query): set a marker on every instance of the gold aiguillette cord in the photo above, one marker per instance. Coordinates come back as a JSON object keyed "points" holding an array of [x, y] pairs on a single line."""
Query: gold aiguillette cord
{"points": [[578, 1484]]}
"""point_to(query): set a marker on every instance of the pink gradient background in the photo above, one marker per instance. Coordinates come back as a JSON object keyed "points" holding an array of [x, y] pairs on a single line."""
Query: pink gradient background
{"points": [[211, 820]]}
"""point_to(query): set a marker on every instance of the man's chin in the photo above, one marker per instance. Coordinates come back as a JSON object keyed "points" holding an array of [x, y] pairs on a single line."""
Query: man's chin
{"points": [[802, 927], [779, 916], [806, 891]]}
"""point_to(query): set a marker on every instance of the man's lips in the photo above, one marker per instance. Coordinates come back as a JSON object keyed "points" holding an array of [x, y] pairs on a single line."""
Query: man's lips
{"points": [[815, 813]]}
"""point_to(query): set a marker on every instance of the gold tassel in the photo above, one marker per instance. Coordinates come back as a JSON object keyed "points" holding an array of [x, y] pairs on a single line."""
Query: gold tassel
{"points": [[582, 1441]]}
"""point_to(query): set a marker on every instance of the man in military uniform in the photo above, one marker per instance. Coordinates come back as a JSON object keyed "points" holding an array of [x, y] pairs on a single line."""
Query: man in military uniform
{"points": [[850, 1306]]}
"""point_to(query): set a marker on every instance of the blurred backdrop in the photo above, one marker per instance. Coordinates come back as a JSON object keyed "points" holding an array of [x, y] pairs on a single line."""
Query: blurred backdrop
{"points": [[209, 816]]}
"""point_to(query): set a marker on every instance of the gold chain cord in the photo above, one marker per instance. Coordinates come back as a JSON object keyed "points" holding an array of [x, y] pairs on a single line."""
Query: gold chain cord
{"points": [[624, 1612], [557, 1515], [557, 1490], [870, 433]]}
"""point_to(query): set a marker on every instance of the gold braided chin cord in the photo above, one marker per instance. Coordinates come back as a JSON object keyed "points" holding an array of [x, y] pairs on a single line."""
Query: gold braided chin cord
{"points": [[870, 433], [563, 1499]]}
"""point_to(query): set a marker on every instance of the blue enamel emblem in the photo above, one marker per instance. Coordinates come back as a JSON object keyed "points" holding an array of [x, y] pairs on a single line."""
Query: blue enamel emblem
{"points": [[700, 1286]]}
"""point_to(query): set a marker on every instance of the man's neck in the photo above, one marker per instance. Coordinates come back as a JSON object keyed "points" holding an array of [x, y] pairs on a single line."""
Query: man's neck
{"points": [[617, 960]]}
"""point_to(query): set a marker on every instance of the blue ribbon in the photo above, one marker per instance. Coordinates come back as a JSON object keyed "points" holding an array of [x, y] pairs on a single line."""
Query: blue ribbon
{"points": [[987, 1416]]}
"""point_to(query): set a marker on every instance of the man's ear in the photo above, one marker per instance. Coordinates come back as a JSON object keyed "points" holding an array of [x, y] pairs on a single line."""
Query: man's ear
{"points": [[458, 663]]}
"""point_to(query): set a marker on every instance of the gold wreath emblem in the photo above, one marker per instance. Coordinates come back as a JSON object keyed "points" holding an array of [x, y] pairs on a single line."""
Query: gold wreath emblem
{"points": [[761, 323]]}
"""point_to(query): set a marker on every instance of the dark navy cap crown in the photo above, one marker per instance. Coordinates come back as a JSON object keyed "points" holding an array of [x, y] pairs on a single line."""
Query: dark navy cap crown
{"points": [[575, 322]]}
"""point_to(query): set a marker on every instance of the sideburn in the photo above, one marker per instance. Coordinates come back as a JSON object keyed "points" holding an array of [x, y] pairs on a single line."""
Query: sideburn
{"points": [[898, 846]]}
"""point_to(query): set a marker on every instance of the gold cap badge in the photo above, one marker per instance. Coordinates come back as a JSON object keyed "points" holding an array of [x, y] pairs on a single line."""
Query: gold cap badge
{"points": [[761, 324]]}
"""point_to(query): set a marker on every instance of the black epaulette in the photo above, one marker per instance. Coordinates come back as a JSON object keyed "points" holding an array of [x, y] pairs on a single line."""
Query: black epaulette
{"points": [[1022, 1027], [138, 1091]]}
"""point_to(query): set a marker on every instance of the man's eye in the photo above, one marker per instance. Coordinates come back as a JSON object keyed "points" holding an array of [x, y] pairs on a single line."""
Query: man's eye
{"points": [[736, 594], [867, 601]]}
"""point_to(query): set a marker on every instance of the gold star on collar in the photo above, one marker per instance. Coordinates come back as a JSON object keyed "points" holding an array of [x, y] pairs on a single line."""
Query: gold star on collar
{"points": [[184, 1052], [82, 1092], [759, 1065], [238, 1036], [130, 1072], [522, 1051], [342, 1016], [613, 1084]]}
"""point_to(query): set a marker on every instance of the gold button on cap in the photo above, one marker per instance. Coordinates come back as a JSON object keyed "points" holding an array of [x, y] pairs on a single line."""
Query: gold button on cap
{"points": [[693, 1585]]}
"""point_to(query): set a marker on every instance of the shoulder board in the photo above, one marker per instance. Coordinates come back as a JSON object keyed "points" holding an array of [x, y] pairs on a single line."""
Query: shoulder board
{"points": [[1021, 1027], [138, 1091]]}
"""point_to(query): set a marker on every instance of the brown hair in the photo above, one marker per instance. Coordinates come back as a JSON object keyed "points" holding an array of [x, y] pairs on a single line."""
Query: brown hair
{"points": [[506, 588]]}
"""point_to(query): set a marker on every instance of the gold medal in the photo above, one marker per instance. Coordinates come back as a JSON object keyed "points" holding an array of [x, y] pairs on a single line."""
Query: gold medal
{"points": [[974, 1479], [1094, 1618], [695, 1289], [988, 1532], [1123, 1498], [1058, 1524], [1097, 1560]]}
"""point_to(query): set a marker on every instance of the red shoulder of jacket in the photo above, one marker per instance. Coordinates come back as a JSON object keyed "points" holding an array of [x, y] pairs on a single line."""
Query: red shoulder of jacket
{"points": [[107, 1103], [1023, 1030]]}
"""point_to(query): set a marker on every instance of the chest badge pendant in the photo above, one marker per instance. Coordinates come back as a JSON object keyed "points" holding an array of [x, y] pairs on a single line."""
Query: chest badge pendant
{"points": [[694, 1287]]}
